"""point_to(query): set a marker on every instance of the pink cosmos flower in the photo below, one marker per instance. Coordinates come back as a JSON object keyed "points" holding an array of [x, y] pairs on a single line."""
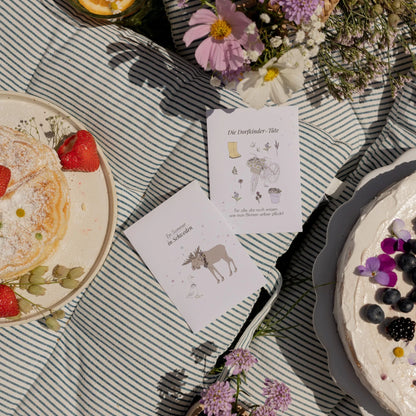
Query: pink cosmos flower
{"points": [[223, 49]]}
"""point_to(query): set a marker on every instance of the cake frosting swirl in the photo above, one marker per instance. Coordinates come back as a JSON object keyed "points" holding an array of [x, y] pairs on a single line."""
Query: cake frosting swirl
{"points": [[390, 377]]}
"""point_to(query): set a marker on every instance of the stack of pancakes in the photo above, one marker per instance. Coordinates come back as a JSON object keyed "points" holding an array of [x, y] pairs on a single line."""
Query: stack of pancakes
{"points": [[34, 212]]}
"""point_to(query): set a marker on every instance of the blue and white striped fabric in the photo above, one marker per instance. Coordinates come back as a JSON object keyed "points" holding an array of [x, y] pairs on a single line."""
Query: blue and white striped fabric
{"points": [[377, 134], [124, 349]]}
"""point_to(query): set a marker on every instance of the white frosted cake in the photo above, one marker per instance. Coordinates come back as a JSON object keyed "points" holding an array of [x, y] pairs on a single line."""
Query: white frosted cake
{"points": [[363, 309]]}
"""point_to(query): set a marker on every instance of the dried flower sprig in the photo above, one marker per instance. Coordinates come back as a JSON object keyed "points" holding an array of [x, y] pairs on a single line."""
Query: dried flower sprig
{"points": [[360, 35]]}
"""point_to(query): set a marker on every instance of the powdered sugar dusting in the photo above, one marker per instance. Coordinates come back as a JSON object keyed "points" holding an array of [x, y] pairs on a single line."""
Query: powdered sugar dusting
{"points": [[35, 209]]}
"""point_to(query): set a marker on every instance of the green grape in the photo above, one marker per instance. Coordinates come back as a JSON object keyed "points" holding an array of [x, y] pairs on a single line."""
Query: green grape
{"points": [[59, 314], [60, 271], [39, 271], [52, 323], [37, 280], [76, 272], [36, 290], [68, 283], [25, 305], [24, 281]]}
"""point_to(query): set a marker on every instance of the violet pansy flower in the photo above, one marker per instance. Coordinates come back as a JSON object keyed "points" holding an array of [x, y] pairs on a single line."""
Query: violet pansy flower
{"points": [[399, 236], [381, 269]]}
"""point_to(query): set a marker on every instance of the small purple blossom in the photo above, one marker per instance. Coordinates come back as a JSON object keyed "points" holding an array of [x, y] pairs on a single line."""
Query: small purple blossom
{"points": [[240, 359], [381, 269], [217, 399], [391, 245], [399, 236], [299, 10], [277, 395], [411, 358], [264, 411]]}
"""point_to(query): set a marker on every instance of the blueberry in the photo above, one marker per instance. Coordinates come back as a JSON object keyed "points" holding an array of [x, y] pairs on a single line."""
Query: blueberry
{"points": [[412, 295], [405, 305], [374, 314], [412, 275], [391, 296], [412, 244], [407, 262], [407, 247]]}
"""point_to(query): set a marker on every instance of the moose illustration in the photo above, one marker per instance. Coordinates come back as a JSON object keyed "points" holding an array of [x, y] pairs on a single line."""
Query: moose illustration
{"points": [[208, 258]]}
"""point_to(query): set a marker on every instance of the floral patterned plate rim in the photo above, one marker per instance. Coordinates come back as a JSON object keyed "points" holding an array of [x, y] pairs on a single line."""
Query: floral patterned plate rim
{"points": [[93, 201]]}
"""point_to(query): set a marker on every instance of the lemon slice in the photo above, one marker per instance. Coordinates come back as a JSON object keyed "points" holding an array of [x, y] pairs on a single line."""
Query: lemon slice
{"points": [[106, 7]]}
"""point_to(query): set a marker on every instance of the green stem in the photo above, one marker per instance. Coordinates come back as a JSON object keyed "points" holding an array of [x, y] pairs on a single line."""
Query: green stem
{"points": [[237, 392]]}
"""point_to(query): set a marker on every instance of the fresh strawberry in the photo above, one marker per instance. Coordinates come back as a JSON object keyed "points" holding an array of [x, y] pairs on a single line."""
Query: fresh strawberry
{"points": [[4, 179], [79, 152], [8, 302]]}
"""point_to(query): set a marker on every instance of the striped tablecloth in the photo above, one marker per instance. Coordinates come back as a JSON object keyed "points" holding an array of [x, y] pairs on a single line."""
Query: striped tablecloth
{"points": [[124, 348]]}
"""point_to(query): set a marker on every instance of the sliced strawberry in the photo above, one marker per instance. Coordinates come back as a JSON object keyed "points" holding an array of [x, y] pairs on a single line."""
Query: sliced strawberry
{"points": [[8, 302], [5, 174], [79, 152]]}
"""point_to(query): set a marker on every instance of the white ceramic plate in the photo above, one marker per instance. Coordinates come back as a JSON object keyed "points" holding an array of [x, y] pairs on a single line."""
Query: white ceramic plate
{"points": [[93, 200], [324, 272]]}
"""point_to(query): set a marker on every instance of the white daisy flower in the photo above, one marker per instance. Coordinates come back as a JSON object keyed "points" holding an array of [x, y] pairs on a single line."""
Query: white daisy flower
{"points": [[276, 80]]}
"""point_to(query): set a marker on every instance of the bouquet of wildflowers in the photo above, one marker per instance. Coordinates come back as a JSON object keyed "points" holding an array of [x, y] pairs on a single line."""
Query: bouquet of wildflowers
{"points": [[221, 399], [263, 48]]}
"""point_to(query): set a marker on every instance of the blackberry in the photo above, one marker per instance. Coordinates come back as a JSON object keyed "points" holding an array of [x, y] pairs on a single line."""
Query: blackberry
{"points": [[401, 328]]}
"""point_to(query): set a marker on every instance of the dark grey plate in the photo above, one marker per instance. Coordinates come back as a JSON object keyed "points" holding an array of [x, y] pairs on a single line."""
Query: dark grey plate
{"points": [[324, 271]]}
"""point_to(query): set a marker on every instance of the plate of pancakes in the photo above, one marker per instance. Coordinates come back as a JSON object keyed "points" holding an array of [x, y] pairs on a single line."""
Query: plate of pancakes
{"points": [[49, 217]]}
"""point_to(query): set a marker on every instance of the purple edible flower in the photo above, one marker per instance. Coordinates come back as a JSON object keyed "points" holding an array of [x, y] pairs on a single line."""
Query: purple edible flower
{"points": [[241, 359], [397, 229], [217, 399], [381, 269], [277, 395], [412, 358], [399, 237], [299, 10]]}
